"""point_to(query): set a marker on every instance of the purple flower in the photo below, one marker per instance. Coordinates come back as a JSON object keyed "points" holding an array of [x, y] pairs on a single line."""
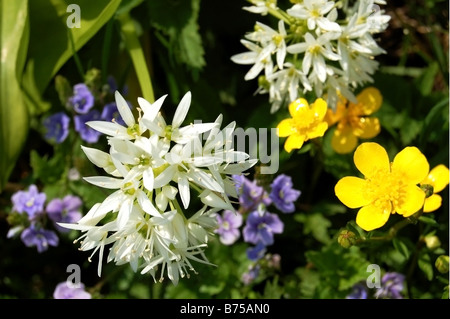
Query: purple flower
{"points": [[359, 291], [82, 99], [392, 285], [87, 133], [39, 237], [31, 202], [249, 276], [260, 228], [283, 195], [250, 194], [111, 113], [74, 291], [229, 224], [257, 252], [66, 210], [57, 127]]}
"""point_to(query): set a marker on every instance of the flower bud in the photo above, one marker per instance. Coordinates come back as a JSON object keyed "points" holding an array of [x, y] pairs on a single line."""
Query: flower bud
{"points": [[432, 242], [442, 264], [347, 238], [428, 189]]}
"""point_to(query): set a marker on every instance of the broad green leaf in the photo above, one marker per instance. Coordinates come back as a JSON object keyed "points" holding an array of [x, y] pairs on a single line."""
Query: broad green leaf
{"points": [[425, 265], [14, 35], [401, 247], [47, 54], [315, 224], [425, 82]]}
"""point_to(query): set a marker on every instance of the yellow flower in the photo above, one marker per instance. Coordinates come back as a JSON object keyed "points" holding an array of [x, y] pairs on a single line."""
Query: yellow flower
{"points": [[439, 179], [386, 188], [307, 122], [354, 121]]}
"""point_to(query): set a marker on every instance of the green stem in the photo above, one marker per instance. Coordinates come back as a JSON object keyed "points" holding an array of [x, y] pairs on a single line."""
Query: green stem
{"points": [[134, 48]]}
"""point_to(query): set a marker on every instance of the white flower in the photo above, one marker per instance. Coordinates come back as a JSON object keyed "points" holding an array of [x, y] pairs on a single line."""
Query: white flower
{"points": [[271, 40], [315, 52], [313, 11], [174, 132], [260, 57], [149, 174], [261, 6]]}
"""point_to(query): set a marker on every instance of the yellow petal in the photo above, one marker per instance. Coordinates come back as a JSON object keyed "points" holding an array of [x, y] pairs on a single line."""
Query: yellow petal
{"points": [[411, 201], [369, 100], [297, 105], [319, 108], [438, 177], [333, 117], [432, 203], [371, 217], [368, 127], [285, 128], [294, 141], [411, 164], [344, 141], [371, 157], [318, 130], [350, 191]]}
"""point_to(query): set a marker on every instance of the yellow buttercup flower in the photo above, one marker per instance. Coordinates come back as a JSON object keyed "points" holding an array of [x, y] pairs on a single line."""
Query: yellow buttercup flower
{"points": [[353, 121], [307, 122], [439, 179], [386, 188]]}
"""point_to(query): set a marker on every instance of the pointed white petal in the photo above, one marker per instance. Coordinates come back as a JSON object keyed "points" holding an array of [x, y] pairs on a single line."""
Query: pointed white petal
{"points": [[165, 176], [109, 128], [182, 110], [151, 110], [124, 110], [146, 204], [148, 177], [104, 181], [97, 157], [183, 186]]}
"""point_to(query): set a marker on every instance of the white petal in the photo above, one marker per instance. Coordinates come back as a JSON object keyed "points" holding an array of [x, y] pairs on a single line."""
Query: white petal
{"points": [[124, 109], [124, 213], [97, 157], [204, 179], [245, 58], [183, 186], [148, 178], [104, 181], [146, 204], [182, 110], [212, 200], [161, 201], [109, 128], [297, 48], [165, 176], [151, 110]]}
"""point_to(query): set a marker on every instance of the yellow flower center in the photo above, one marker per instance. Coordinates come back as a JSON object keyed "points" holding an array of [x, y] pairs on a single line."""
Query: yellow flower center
{"points": [[277, 39], [386, 190], [306, 121], [314, 49]]}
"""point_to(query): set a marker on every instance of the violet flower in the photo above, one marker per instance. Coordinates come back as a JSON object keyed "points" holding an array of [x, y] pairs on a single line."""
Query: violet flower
{"points": [[31, 201], [39, 237], [57, 127], [82, 99], [229, 224], [283, 195], [261, 227], [66, 210]]}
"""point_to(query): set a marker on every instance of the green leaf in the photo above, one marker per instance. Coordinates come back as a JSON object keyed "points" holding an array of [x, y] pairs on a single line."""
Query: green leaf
{"points": [[47, 54], [425, 265], [315, 224], [425, 82], [401, 247], [47, 170], [428, 220], [178, 20], [14, 124]]}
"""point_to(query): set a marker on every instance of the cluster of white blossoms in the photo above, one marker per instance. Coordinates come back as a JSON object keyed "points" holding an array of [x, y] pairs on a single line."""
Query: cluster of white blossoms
{"points": [[153, 168], [326, 47]]}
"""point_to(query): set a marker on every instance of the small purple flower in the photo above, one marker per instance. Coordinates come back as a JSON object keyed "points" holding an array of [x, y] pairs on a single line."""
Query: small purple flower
{"points": [[66, 210], [260, 228], [229, 224], [74, 291], [31, 202], [111, 113], [87, 133], [250, 194], [82, 99], [39, 237], [392, 285], [359, 291], [257, 252], [283, 195], [57, 127], [249, 276]]}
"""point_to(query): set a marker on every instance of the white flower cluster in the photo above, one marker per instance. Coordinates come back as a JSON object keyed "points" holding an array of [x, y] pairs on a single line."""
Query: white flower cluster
{"points": [[322, 46], [152, 166]]}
